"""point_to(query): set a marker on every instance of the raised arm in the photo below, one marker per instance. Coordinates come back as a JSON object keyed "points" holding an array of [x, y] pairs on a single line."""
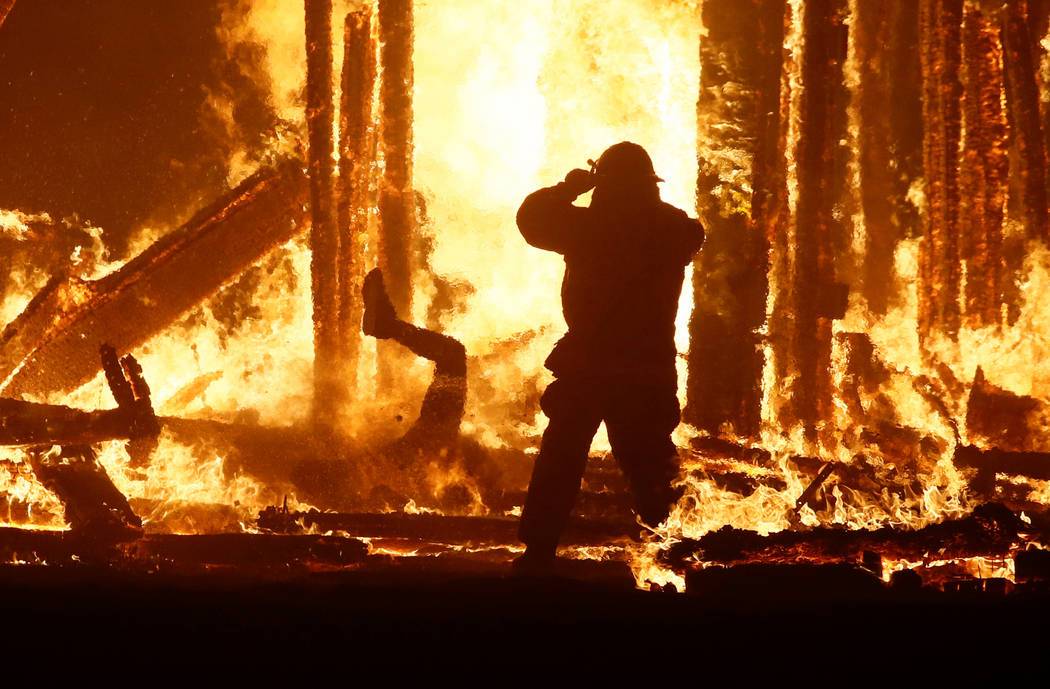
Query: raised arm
{"points": [[547, 217]]}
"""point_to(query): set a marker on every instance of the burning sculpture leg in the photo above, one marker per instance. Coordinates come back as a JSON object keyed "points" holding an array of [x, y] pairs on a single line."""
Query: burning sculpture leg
{"points": [[640, 420], [556, 476], [437, 427]]}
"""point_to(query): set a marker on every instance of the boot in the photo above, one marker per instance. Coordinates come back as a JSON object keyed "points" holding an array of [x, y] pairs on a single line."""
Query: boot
{"points": [[380, 317]]}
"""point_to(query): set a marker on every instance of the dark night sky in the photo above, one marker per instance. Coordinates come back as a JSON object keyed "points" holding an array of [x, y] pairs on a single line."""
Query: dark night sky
{"points": [[103, 109]]}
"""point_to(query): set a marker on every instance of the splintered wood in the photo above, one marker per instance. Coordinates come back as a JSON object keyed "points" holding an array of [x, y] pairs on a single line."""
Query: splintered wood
{"points": [[740, 174], [53, 345]]}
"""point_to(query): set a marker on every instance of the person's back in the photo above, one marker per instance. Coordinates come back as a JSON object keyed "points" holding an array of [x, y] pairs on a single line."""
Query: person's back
{"points": [[625, 258], [624, 263]]}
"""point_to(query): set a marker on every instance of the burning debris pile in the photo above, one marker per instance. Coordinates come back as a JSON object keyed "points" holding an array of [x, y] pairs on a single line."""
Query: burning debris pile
{"points": [[863, 342]]}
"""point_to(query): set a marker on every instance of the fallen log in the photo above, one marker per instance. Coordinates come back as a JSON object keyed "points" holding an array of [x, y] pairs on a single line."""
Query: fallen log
{"points": [[51, 346], [991, 530], [436, 528]]}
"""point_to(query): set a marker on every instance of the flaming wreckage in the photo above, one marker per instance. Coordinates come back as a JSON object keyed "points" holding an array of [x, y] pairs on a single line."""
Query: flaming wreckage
{"points": [[879, 459]]}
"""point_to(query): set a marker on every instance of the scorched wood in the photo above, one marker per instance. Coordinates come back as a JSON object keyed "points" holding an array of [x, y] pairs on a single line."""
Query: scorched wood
{"points": [[51, 347]]}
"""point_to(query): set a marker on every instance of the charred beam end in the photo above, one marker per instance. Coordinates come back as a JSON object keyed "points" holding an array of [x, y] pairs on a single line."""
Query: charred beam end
{"points": [[396, 198], [53, 345], [356, 157], [324, 231]]}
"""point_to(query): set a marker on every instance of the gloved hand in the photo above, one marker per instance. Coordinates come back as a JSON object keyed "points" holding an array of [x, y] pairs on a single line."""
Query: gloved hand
{"points": [[579, 181]]}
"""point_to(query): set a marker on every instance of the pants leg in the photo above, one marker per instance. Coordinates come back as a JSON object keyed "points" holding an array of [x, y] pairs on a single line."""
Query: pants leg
{"points": [[574, 419], [441, 413], [640, 420]]}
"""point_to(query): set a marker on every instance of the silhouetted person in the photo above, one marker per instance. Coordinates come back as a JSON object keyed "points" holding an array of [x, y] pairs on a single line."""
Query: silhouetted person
{"points": [[625, 258]]}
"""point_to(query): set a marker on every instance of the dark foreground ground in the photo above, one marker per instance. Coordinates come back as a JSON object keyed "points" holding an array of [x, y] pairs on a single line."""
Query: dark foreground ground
{"points": [[455, 616]]}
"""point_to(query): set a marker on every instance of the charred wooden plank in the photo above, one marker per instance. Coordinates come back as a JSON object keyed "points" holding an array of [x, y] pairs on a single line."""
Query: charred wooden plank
{"points": [[51, 347], [397, 210], [741, 166], [356, 163]]}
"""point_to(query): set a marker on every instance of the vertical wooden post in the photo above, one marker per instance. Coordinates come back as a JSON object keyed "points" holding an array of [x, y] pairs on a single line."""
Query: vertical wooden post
{"points": [[984, 167], [738, 110], [396, 197], [1022, 93], [356, 157], [821, 160], [889, 108], [940, 36], [324, 234]]}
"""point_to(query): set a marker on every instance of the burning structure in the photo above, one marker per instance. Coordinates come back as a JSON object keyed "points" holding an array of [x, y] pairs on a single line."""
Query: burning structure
{"points": [[862, 340]]}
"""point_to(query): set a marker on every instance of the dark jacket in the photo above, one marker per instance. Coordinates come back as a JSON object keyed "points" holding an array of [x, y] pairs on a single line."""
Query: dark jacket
{"points": [[624, 267]]}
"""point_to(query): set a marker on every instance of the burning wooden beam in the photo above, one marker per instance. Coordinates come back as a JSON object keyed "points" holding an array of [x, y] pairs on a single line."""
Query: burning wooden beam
{"points": [[90, 500], [940, 48], [819, 229], [52, 346], [5, 9], [741, 167], [435, 528], [889, 136], [985, 164], [397, 210], [991, 530], [1022, 95], [356, 158], [324, 229]]}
